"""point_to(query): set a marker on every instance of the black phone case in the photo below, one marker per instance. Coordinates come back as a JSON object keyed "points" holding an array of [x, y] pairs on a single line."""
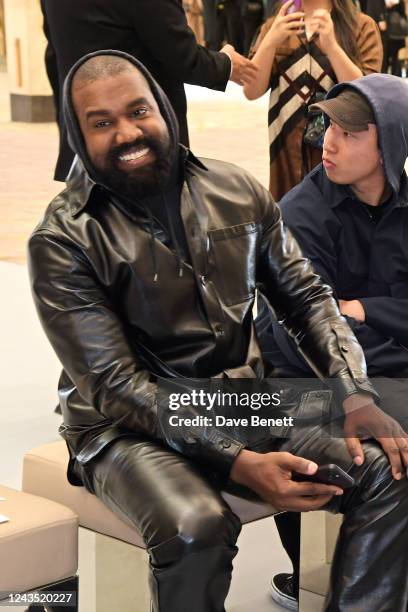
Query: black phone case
{"points": [[328, 474]]}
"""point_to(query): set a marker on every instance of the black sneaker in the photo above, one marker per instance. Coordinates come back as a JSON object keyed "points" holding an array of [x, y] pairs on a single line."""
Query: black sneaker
{"points": [[282, 591]]}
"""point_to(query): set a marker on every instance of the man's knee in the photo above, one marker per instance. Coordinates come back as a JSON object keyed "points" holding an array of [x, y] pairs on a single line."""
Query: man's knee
{"points": [[375, 477], [199, 527], [376, 467]]}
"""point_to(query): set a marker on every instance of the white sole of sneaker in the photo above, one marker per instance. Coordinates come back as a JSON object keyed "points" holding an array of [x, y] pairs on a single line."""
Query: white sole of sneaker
{"points": [[285, 602]]}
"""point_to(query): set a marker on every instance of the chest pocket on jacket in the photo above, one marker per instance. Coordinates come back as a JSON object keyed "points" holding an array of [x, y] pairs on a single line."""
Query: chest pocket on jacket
{"points": [[233, 261]]}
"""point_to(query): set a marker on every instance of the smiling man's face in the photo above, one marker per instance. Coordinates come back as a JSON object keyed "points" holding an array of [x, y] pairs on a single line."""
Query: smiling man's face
{"points": [[126, 137]]}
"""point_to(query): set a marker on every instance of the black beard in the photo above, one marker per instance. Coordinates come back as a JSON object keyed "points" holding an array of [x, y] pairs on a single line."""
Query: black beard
{"points": [[141, 182]]}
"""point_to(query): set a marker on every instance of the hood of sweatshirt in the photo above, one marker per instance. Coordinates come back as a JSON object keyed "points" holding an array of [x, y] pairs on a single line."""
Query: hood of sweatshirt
{"points": [[388, 97], [75, 138]]}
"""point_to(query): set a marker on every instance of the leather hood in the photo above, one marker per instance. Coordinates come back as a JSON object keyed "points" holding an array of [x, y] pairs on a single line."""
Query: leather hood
{"points": [[75, 138], [388, 97]]}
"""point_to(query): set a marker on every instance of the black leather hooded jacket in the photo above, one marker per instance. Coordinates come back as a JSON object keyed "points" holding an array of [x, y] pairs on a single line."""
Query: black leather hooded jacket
{"points": [[121, 309]]}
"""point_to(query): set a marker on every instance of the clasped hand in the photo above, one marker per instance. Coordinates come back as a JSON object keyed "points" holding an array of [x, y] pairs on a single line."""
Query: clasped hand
{"points": [[369, 421], [244, 71]]}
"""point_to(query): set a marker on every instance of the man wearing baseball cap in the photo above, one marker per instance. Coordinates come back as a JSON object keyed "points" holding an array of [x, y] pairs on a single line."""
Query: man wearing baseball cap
{"points": [[350, 216]]}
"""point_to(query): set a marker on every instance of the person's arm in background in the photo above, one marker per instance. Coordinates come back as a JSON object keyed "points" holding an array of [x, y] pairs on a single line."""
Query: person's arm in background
{"points": [[165, 32], [386, 314], [344, 68], [273, 33], [370, 46]]}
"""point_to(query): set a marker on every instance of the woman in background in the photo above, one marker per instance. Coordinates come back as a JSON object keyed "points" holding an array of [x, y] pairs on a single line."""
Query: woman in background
{"points": [[301, 55]]}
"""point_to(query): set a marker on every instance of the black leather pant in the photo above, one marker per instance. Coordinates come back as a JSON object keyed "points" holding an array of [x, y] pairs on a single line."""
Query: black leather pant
{"points": [[190, 531]]}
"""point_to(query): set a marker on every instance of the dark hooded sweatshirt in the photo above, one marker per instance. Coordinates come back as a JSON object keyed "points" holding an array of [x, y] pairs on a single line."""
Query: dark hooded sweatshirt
{"points": [[361, 251]]}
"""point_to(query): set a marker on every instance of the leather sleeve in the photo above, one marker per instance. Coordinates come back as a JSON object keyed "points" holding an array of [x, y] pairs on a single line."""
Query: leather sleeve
{"points": [[88, 338], [306, 308]]}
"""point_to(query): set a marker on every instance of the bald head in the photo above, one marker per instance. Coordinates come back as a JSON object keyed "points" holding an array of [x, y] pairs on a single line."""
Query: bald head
{"points": [[97, 71], [101, 67]]}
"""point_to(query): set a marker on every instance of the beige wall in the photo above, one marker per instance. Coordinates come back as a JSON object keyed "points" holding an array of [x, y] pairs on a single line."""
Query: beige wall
{"points": [[25, 46]]}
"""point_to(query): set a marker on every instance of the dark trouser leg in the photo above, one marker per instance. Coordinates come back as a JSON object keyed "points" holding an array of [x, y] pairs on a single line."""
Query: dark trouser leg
{"points": [[394, 47], [250, 25], [288, 524], [232, 12], [370, 566], [212, 29], [384, 67], [189, 530]]}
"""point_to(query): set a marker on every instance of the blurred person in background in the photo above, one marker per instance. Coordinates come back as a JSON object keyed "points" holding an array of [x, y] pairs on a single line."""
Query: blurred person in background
{"points": [[194, 14], [270, 7], [300, 56], [252, 12], [213, 25], [230, 12], [391, 18], [154, 32], [234, 21]]}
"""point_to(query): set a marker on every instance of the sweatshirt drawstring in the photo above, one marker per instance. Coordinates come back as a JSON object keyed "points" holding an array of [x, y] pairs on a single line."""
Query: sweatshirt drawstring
{"points": [[126, 204], [178, 254], [175, 242], [153, 246]]}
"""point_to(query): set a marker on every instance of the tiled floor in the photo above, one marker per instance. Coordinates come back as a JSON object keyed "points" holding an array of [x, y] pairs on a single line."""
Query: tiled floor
{"points": [[222, 126]]}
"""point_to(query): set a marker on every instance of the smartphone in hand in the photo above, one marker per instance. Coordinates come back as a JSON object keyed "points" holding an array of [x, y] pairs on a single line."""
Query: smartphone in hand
{"points": [[330, 474], [295, 6]]}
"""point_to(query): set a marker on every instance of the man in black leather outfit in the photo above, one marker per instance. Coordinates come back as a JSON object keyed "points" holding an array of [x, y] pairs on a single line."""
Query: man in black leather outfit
{"points": [[145, 269]]}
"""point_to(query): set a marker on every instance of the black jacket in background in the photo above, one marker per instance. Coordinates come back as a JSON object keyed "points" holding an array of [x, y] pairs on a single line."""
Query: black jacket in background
{"points": [[156, 33]]}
